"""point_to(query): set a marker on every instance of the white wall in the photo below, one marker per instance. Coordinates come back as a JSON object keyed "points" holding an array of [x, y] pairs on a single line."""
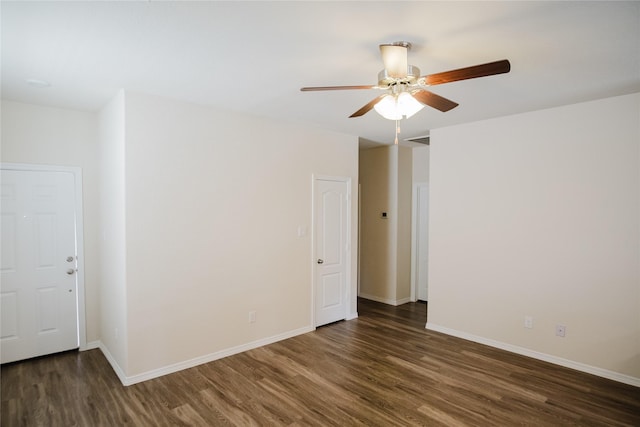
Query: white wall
{"points": [[420, 166], [420, 175], [539, 214], [191, 221], [213, 205], [54, 136], [113, 249]]}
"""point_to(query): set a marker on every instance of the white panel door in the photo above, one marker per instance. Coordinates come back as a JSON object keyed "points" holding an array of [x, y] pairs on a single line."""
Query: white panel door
{"points": [[331, 230], [422, 241], [38, 298]]}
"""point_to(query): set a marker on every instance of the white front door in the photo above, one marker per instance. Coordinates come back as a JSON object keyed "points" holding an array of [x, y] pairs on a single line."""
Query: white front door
{"points": [[422, 240], [331, 209], [39, 293]]}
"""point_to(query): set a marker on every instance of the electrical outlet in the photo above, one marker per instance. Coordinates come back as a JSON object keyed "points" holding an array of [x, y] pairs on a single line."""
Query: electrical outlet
{"points": [[252, 317], [528, 322], [561, 330]]}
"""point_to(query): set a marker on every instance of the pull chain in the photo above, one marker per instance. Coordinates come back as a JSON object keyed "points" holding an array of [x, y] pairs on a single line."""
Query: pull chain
{"points": [[397, 132]]}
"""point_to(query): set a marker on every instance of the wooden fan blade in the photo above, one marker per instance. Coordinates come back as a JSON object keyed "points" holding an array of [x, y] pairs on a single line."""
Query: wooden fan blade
{"points": [[433, 100], [364, 110], [483, 70], [308, 89]]}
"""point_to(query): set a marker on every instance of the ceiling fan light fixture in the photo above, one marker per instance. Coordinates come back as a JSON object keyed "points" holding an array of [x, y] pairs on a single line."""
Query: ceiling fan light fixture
{"points": [[405, 90], [398, 106]]}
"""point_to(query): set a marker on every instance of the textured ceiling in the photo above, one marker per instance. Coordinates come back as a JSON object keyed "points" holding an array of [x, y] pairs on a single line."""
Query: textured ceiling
{"points": [[253, 57]]}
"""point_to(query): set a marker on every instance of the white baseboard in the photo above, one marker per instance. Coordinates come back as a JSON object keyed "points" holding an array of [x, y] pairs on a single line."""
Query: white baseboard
{"points": [[107, 354], [385, 300], [604, 373], [112, 361], [155, 373], [90, 345], [403, 301]]}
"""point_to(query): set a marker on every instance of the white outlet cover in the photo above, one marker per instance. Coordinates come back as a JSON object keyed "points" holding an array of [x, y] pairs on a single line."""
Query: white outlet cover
{"points": [[528, 322]]}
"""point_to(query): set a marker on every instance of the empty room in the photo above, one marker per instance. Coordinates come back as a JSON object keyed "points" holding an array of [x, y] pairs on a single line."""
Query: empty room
{"points": [[320, 213]]}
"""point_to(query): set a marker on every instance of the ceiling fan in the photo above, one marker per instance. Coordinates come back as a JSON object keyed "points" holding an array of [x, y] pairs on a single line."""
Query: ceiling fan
{"points": [[405, 90]]}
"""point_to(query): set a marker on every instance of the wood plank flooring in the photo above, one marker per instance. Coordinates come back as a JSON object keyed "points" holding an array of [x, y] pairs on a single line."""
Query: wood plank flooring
{"points": [[382, 369]]}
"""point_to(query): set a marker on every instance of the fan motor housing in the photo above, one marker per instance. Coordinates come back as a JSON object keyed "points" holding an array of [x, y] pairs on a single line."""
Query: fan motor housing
{"points": [[385, 80]]}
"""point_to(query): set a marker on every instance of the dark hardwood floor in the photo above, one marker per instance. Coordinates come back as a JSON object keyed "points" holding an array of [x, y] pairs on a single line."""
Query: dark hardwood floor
{"points": [[382, 369]]}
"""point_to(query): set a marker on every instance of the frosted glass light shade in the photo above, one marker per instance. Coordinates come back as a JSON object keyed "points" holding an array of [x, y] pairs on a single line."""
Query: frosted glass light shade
{"points": [[408, 105], [388, 108], [395, 60], [397, 107]]}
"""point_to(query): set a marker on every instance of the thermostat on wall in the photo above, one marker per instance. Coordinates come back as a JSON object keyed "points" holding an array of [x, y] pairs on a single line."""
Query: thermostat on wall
{"points": [[383, 215]]}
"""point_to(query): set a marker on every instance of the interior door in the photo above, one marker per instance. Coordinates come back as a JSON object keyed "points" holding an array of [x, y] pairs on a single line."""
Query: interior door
{"points": [[422, 241], [331, 247], [38, 291]]}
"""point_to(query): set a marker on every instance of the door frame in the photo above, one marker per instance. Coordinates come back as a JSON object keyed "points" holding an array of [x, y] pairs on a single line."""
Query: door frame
{"points": [[79, 228], [414, 239], [348, 279]]}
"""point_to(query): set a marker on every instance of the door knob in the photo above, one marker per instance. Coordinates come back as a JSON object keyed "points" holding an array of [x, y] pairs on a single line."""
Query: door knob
{"points": [[320, 261], [70, 271]]}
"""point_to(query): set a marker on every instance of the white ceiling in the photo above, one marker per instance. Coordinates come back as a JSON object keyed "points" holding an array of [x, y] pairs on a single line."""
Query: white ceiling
{"points": [[253, 57]]}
